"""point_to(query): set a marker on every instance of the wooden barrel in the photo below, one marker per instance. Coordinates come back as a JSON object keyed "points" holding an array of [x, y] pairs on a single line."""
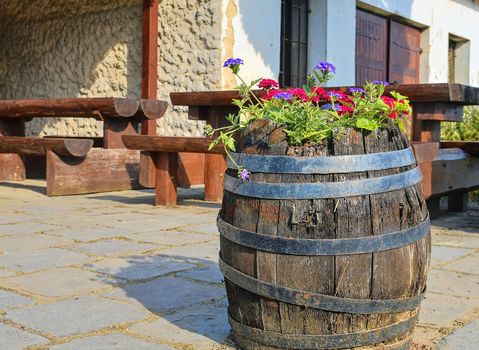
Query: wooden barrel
{"points": [[327, 246]]}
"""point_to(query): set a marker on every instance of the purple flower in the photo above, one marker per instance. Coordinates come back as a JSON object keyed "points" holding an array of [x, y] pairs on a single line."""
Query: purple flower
{"points": [[232, 62], [325, 67], [355, 90], [334, 94], [379, 82], [284, 96], [244, 174], [336, 107]]}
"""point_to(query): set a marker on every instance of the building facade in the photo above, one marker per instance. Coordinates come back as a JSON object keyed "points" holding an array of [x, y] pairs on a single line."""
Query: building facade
{"points": [[75, 48]]}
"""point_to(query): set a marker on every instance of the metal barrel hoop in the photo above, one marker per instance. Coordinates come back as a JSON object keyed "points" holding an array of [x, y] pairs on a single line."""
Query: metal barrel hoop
{"points": [[323, 165], [317, 247], [318, 301], [319, 190], [333, 341]]}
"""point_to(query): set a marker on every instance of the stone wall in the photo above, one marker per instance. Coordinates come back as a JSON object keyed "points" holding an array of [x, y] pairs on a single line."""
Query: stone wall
{"points": [[64, 49], [189, 56]]}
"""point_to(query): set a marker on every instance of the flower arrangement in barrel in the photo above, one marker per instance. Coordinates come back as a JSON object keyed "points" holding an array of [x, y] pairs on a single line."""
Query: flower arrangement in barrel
{"points": [[310, 114]]}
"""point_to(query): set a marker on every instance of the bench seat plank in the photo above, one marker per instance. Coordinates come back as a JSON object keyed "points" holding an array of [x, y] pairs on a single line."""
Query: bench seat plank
{"points": [[36, 146], [171, 144], [98, 108], [471, 147]]}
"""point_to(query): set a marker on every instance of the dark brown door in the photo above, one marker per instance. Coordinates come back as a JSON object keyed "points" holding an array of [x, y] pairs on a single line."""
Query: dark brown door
{"points": [[386, 50], [371, 47], [404, 51]]}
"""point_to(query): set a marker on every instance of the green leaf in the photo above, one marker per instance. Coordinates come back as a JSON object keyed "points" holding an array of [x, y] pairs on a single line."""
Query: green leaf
{"points": [[401, 125], [364, 123]]}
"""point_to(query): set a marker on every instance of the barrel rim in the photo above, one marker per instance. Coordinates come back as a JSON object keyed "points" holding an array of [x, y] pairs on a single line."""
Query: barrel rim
{"points": [[274, 164]]}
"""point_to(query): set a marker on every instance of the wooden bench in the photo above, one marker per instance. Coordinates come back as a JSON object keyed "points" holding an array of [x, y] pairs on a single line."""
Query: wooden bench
{"points": [[445, 172], [109, 168], [165, 152]]}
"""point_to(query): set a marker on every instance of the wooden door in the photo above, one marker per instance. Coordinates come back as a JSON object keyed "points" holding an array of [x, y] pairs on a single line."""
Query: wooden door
{"points": [[404, 51], [371, 47]]}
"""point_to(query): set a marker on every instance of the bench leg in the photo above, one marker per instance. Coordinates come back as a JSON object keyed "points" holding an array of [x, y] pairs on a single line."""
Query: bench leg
{"points": [[215, 168], [166, 178], [433, 206], [12, 167], [457, 202]]}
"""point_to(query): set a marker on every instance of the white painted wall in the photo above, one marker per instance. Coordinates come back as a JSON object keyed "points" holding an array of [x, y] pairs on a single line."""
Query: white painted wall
{"points": [[256, 37], [442, 17], [332, 26], [332, 37]]}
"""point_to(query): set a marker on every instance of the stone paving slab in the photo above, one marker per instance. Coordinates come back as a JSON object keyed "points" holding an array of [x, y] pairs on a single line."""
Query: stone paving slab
{"points": [[173, 238], [457, 284], [14, 218], [92, 232], [36, 260], [76, 316], [10, 300], [30, 242], [6, 273], [456, 240], [442, 310], [110, 342], [139, 267], [205, 253], [200, 327], [14, 339], [59, 282], [469, 264], [113, 247], [209, 274], [164, 295], [26, 228], [465, 338], [441, 254], [208, 228]]}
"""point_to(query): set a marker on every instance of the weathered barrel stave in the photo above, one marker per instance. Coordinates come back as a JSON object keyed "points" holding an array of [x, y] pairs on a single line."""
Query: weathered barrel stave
{"points": [[392, 274]]}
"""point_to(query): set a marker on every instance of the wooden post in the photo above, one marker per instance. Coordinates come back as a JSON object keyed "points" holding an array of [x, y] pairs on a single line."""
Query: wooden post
{"points": [[215, 164], [149, 83], [12, 166], [166, 178]]}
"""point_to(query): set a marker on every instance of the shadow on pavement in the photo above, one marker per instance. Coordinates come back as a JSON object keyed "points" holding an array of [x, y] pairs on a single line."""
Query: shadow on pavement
{"points": [[24, 186], [187, 293]]}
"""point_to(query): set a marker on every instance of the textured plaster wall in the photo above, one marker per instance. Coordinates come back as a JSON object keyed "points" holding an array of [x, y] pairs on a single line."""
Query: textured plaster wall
{"points": [[74, 48], [189, 56]]}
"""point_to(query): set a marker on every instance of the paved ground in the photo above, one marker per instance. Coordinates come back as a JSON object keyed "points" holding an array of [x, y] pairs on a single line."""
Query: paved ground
{"points": [[111, 271]]}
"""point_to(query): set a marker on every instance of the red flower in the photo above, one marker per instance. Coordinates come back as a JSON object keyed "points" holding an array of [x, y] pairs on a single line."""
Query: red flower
{"points": [[299, 94], [345, 109], [320, 92], [268, 84], [390, 102], [270, 94]]}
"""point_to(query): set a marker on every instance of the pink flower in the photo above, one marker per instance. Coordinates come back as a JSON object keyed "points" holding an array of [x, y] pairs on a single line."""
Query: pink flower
{"points": [[268, 84]]}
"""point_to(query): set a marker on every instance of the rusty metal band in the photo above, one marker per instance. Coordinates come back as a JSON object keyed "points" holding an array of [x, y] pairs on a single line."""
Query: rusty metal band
{"points": [[301, 246], [318, 190], [333, 341], [323, 165], [315, 300]]}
